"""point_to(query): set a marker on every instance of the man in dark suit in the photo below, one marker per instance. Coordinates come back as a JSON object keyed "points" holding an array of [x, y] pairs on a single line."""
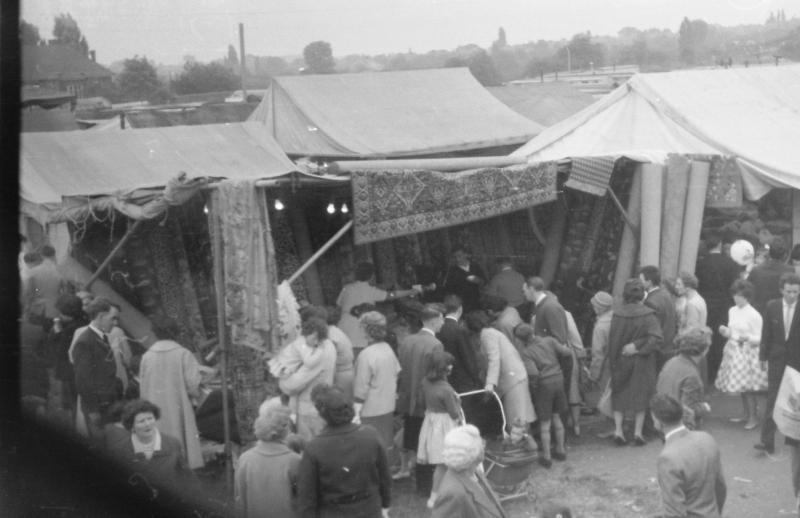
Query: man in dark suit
{"points": [[766, 276], [551, 319], [715, 274], [95, 368], [414, 354], [780, 341], [465, 279], [689, 467], [466, 373], [659, 299]]}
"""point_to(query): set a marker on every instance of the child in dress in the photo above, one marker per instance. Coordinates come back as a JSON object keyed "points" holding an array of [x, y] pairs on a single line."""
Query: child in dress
{"points": [[442, 414], [740, 370]]}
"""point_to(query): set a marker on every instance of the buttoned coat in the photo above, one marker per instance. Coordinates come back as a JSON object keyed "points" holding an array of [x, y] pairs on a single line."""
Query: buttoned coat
{"points": [[463, 497]]}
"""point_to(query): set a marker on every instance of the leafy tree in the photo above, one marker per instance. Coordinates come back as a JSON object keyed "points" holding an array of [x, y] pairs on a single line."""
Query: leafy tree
{"points": [[692, 36], [501, 41], [66, 32], [233, 58], [272, 66], [199, 78], [138, 81], [318, 56], [29, 33], [582, 53], [480, 64]]}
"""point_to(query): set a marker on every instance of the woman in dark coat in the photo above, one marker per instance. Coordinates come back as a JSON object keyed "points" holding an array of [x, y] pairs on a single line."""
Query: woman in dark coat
{"points": [[344, 471], [634, 338]]}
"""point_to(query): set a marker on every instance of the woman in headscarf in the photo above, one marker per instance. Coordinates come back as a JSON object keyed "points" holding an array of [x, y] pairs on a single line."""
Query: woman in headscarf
{"points": [[634, 337], [464, 490]]}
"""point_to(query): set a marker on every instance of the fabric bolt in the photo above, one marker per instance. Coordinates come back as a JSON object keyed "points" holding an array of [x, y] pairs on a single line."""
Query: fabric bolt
{"points": [[591, 174]]}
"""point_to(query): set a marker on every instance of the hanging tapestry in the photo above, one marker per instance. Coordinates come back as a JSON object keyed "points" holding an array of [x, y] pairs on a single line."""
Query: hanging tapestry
{"points": [[724, 183], [400, 202], [250, 294], [591, 174]]}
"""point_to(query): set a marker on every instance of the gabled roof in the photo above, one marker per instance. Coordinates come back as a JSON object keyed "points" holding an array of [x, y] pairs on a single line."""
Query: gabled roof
{"points": [[44, 97], [58, 62], [752, 114], [544, 103], [388, 114], [91, 163]]}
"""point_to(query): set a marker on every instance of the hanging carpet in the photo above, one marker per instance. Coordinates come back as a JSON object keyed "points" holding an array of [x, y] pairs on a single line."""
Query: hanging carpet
{"points": [[399, 202]]}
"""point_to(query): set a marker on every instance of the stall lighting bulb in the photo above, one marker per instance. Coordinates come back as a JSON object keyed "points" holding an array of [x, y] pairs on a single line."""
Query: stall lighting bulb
{"points": [[278, 204], [331, 209], [205, 209], [344, 208]]}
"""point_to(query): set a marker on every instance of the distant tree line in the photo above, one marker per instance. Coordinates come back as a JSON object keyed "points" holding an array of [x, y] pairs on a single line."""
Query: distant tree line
{"points": [[696, 43]]}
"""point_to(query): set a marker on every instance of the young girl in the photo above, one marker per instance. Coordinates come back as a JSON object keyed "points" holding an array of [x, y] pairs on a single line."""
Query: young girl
{"points": [[442, 414], [740, 370]]}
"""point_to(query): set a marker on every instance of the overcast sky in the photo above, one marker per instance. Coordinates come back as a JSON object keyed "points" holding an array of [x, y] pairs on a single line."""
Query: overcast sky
{"points": [[167, 30]]}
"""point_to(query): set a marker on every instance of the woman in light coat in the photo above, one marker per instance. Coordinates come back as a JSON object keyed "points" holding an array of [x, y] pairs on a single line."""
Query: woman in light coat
{"points": [[170, 378]]}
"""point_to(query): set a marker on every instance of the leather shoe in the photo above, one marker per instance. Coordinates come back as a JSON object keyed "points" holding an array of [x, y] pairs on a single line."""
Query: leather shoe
{"points": [[619, 440], [639, 441], [559, 456], [763, 447], [545, 462]]}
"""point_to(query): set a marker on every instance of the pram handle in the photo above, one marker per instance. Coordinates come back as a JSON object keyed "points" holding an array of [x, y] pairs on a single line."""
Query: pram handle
{"points": [[499, 403]]}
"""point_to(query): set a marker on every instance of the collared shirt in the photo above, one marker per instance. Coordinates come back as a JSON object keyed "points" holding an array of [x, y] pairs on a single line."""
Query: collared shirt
{"points": [[146, 449], [539, 298], [673, 432], [99, 333], [451, 317], [425, 329]]}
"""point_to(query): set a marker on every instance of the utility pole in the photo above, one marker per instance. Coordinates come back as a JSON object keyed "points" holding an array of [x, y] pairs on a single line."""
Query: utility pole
{"points": [[569, 60], [242, 61]]}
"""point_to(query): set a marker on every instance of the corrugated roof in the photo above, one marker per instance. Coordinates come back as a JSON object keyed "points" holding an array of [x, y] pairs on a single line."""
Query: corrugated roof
{"points": [[58, 62], [388, 114], [544, 103], [86, 163], [752, 114]]}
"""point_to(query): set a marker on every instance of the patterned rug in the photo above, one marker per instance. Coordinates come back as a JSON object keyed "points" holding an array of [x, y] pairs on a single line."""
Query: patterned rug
{"points": [[400, 202]]}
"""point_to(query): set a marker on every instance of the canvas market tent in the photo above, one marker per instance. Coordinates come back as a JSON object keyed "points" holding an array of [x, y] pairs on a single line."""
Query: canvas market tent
{"points": [[544, 103], [696, 133], [388, 114], [752, 114]]}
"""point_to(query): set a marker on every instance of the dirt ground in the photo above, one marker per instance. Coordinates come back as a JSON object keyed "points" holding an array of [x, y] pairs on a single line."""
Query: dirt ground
{"points": [[600, 480]]}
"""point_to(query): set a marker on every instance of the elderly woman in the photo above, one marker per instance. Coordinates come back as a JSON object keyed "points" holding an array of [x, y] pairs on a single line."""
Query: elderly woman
{"points": [[680, 377], [155, 456], [505, 371], [375, 385], [464, 491], [266, 479], [359, 292], [344, 471], [633, 339]]}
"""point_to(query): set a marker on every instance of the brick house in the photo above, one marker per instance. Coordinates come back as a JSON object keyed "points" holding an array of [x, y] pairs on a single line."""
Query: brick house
{"points": [[62, 68]]}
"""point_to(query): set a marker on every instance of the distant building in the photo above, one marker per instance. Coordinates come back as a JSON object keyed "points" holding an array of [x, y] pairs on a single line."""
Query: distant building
{"points": [[62, 68]]}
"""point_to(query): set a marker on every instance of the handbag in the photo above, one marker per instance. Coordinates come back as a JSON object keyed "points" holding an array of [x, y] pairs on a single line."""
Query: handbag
{"points": [[604, 405]]}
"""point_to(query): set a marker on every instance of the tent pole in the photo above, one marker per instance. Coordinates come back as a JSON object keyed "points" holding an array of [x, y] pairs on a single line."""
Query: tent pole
{"points": [[622, 210], [113, 252], [321, 251], [216, 236]]}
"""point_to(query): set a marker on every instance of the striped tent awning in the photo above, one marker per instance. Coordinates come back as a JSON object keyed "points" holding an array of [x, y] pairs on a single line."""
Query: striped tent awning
{"points": [[591, 174]]}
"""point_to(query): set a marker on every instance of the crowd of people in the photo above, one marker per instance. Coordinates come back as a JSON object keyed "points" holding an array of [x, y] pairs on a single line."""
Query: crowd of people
{"points": [[490, 359]]}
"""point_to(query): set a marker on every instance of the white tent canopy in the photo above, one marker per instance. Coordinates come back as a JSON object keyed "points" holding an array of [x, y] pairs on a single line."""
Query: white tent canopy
{"points": [[752, 114]]}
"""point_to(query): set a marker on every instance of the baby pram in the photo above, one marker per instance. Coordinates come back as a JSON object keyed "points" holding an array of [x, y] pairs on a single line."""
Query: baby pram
{"points": [[506, 466]]}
